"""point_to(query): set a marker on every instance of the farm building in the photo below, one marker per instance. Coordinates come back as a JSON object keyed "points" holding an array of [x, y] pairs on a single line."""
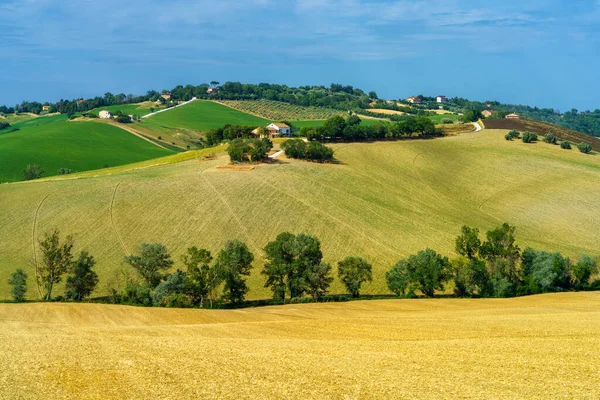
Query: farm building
{"points": [[413, 100], [513, 116], [104, 114], [279, 128], [166, 96], [488, 113], [441, 99], [81, 101], [212, 90], [45, 108]]}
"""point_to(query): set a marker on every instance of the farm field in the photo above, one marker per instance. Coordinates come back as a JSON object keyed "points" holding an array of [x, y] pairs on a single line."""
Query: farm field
{"points": [[383, 201], [316, 123], [385, 111], [130, 109], [439, 117], [54, 143], [524, 348], [278, 111]]}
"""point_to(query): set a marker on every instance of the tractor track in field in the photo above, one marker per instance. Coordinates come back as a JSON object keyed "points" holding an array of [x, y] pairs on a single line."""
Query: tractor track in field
{"points": [[34, 236], [231, 211], [112, 220]]}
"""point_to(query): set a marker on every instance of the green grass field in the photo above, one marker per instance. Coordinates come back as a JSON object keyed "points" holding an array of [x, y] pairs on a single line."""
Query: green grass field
{"points": [[439, 117], [383, 201], [54, 143], [129, 109], [315, 123]]}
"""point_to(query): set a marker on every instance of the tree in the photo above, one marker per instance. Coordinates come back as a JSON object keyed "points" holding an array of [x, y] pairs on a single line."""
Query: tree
{"points": [[234, 262], [353, 120], [546, 272], [168, 293], [334, 126], [83, 280], [56, 260], [502, 254], [373, 95], [467, 243], [584, 148], [398, 278], [294, 265], [18, 280], [353, 272], [426, 271], [203, 279], [152, 259], [583, 271], [471, 116], [470, 277], [529, 137], [550, 138], [32, 171], [565, 145]]}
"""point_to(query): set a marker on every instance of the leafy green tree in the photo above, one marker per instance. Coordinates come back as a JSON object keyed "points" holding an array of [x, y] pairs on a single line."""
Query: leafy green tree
{"points": [[32, 171], [234, 262], [550, 138], [373, 95], [280, 266], [56, 260], [583, 271], [529, 137], [152, 259], [203, 278], [334, 126], [353, 272], [471, 116], [470, 277], [398, 278], [584, 148], [467, 243], [318, 279], [353, 120], [259, 148], [502, 256], [18, 281], [176, 284], [514, 134], [565, 145], [82, 280], [544, 272], [426, 271]]}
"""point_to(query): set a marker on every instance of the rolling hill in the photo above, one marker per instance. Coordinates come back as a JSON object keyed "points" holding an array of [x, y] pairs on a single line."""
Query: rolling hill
{"points": [[383, 201], [525, 348], [54, 143]]}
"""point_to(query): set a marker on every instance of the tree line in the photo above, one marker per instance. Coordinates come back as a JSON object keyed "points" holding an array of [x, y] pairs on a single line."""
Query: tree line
{"points": [[531, 137], [294, 268]]}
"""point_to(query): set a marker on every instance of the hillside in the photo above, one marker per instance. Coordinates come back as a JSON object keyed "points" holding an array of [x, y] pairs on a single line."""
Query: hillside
{"points": [[542, 128], [521, 348], [277, 111], [383, 201], [54, 143]]}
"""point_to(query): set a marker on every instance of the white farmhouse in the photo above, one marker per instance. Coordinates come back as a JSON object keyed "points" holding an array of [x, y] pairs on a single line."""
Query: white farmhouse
{"points": [[441, 99], [278, 128], [104, 114]]}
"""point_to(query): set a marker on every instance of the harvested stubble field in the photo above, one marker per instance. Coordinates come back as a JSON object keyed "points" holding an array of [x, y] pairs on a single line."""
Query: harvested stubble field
{"points": [[536, 347], [383, 201], [279, 111]]}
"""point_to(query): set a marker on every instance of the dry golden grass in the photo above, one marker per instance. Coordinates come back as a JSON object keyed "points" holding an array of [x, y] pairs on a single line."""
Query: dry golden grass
{"points": [[527, 348], [385, 111], [442, 111]]}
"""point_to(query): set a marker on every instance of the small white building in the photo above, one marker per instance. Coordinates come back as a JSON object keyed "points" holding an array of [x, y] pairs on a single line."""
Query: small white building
{"points": [[105, 114], [278, 128], [441, 99]]}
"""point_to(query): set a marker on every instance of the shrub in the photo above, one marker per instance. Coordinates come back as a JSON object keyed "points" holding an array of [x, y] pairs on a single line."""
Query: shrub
{"points": [[64, 171], [32, 171], [176, 284], [584, 148], [514, 134], [18, 280], [508, 137], [529, 137], [550, 138], [4, 125], [565, 145], [83, 280], [314, 151], [447, 121]]}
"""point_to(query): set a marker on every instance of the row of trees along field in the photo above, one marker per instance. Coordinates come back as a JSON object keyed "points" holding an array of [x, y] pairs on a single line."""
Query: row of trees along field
{"points": [[294, 268], [531, 137]]}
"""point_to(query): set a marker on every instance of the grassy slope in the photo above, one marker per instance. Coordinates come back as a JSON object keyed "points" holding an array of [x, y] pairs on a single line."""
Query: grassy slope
{"points": [[129, 109], [384, 201], [527, 348], [54, 143], [315, 123]]}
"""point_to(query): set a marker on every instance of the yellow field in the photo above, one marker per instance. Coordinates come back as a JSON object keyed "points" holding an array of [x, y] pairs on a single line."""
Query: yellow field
{"points": [[536, 347], [385, 111], [383, 201]]}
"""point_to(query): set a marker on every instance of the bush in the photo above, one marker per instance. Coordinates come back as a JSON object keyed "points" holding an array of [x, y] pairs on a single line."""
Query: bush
{"points": [[447, 121], [508, 137], [550, 138], [314, 151], [529, 137], [4, 125], [175, 284], [32, 171], [584, 148], [514, 134], [565, 145], [64, 171]]}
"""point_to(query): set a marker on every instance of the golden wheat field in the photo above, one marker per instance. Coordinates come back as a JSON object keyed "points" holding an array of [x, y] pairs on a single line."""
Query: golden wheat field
{"points": [[537, 347]]}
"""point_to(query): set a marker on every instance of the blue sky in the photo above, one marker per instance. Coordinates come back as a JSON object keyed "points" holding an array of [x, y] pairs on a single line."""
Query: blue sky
{"points": [[543, 53]]}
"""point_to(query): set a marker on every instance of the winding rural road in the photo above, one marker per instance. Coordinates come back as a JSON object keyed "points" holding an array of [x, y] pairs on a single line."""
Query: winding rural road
{"points": [[477, 126], [170, 108]]}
